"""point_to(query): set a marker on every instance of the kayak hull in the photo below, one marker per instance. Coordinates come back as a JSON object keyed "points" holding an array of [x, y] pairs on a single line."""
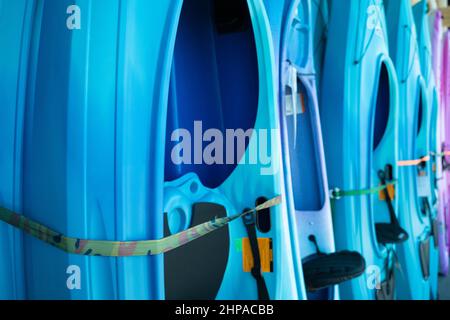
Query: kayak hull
{"points": [[359, 86]]}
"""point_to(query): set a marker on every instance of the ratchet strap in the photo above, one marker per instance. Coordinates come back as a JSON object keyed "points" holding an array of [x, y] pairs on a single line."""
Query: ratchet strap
{"points": [[123, 248]]}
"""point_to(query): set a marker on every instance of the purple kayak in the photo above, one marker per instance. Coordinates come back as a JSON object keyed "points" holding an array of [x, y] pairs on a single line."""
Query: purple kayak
{"points": [[445, 98], [437, 55]]}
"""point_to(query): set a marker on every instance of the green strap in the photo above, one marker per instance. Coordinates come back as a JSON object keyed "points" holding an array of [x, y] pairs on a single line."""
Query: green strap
{"points": [[122, 248], [337, 193]]}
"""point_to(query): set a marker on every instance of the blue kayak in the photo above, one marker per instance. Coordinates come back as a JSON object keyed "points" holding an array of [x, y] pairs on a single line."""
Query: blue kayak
{"points": [[83, 157], [359, 114], [414, 254]]}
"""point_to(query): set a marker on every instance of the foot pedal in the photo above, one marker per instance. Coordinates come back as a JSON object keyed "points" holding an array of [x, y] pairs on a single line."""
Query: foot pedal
{"points": [[389, 233], [330, 269]]}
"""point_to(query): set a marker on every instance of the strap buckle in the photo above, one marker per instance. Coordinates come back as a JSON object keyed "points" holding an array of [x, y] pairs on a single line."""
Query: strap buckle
{"points": [[335, 194], [250, 218]]}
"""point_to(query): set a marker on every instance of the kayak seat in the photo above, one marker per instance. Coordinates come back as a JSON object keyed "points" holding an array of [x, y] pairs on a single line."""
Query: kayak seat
{"points": [[326, 270], [390, 233]]}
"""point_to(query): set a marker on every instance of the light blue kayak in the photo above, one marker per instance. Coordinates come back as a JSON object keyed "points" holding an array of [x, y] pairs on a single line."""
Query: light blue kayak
{"points": [[359, 113], [413, 255], [430, 132]]}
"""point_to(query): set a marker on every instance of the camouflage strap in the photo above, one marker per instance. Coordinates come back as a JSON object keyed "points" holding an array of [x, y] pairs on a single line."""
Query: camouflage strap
{"points": [[119, 248]]}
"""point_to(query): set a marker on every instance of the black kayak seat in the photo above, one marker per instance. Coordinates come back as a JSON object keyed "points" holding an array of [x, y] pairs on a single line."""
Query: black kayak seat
{"points": [[325, 270]]}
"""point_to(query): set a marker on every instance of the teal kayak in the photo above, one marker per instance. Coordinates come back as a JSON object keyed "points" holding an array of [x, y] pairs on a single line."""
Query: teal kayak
{"points": [[413, 255], [359, 114]]}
